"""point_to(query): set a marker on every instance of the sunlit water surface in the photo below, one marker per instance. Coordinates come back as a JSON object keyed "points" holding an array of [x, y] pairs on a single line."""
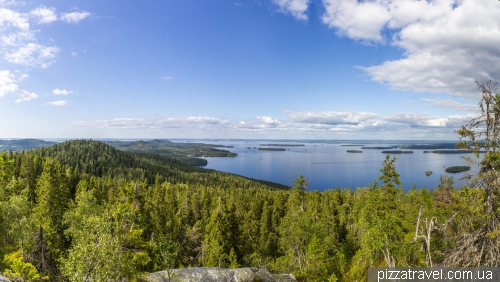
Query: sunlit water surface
{"points": [[328, 165]]}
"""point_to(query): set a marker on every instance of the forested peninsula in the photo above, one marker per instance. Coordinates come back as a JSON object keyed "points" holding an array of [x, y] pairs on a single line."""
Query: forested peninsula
{"points": [[188, 153], [82, 210]]}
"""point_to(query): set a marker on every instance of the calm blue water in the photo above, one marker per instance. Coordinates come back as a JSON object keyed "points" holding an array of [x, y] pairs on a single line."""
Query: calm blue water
{"points": [[328, 165]]}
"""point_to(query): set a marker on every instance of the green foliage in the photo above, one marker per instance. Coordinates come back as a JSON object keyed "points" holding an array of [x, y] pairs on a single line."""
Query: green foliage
{"points": [[52, 197], [300, 184], [389, 177], [22, 225], [18, 270], [96, 254]]}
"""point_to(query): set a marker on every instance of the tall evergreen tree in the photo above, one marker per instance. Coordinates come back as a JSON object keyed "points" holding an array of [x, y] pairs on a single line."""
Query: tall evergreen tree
{"points": [[53, 198]]}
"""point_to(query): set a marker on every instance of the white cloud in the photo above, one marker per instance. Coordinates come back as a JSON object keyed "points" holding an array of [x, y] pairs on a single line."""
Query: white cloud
{"points": [[451, 104], [9, 19], [57, 103], [44, 15], [62, 91], [17, 39], [358, 20], [25, 96], [7, 83], [74, 54], [269, 120], [74, 17], [18, 44], [448, 43], [330, 117], [296, 8], [168, 78], [417, 120], [33, 55], [362, 121]]}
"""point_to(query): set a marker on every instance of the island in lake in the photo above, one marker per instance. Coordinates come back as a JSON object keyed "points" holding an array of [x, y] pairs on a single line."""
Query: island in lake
{"points": [[283, 145], [351, 145], [397, 152], [392, 147], [454, 169], [272, 149], [452, 152], [448, 151], [354, 151], [429, 146]]}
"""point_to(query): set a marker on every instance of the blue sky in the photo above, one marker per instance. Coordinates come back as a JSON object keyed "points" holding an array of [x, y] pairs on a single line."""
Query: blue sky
{"points": [[330, 69]]}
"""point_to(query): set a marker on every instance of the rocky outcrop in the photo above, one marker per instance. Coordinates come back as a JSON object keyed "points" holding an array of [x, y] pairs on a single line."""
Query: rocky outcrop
{"points": [[215, 274], [3, 279]]}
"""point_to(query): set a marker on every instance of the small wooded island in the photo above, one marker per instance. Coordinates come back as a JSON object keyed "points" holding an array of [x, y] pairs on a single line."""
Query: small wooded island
{"points": [[354, 151], [448, 151], [454, 169], [283, 145], [397, 152]]}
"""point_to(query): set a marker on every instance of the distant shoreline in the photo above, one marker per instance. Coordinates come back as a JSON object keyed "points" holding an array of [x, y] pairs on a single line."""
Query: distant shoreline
{"points": [[283, 145]]}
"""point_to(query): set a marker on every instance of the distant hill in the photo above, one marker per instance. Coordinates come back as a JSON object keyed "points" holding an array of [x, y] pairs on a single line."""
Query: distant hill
{"points": [[99, 159], [23, 144]]}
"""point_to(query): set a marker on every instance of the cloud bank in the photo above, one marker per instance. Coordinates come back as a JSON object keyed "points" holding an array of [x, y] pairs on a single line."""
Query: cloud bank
{"points": [[330, 124], [448, 43]]}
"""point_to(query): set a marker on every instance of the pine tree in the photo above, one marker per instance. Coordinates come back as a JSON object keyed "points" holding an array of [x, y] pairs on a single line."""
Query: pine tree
{"points": [[53, 197]]}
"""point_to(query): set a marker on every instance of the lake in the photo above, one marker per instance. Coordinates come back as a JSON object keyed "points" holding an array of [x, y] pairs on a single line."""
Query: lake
{"points": [[326, 163]]}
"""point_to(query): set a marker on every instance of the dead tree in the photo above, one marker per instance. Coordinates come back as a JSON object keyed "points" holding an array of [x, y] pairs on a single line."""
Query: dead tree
{"points": [[426, 233], [478, 240]]}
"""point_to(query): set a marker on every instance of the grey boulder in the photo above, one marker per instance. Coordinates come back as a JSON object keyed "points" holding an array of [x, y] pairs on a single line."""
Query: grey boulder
{"points": [[215, 274]]}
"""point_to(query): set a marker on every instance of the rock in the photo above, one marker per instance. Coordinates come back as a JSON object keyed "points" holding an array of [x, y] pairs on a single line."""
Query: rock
{"points": [[285, 277], [215, 274], [3, 279]]}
